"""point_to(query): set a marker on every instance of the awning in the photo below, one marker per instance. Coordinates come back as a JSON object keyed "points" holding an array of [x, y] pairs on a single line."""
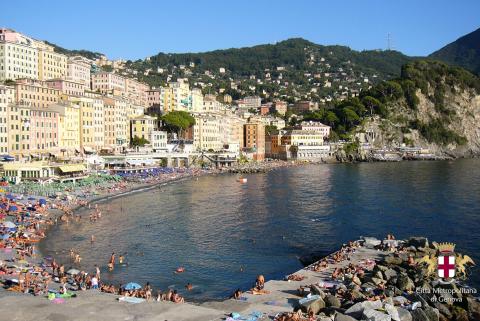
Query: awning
{"points": [[70, 168], [88, 150]]}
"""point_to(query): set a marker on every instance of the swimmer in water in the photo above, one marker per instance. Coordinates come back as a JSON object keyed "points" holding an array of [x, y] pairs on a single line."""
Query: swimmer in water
{"points": [[120, 259], [92, 238]]}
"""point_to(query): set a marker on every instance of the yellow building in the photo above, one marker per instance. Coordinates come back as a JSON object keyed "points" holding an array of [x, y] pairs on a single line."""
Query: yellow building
{"points": [[69, 127], [87, 129], [167, 101], [302, 138], [98, 120], [51, 64], [7, 97], [206, 132], [18, 122], [142, 127], [109, 122]]}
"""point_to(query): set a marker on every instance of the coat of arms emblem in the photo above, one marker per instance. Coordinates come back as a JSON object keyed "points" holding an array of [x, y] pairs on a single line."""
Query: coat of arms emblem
{"points": [[446, 263]]}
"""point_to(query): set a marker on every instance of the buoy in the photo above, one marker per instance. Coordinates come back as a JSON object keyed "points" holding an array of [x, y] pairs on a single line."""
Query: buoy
{"points": [[180, 270], [242, 180]]}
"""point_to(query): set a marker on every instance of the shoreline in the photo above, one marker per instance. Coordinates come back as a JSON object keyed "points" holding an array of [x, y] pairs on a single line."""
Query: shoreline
{"points": [[217, 304]]}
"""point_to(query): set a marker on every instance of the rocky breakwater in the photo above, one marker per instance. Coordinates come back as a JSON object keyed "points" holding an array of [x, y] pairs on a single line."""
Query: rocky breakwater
{"points": [[401, 285]]}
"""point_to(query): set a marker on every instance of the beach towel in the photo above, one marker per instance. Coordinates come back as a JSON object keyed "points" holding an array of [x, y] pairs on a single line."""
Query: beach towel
{"points": [[131, 299]]}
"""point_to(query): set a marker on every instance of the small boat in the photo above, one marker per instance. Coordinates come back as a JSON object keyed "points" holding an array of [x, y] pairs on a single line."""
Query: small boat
{"points": [[242, 180]]}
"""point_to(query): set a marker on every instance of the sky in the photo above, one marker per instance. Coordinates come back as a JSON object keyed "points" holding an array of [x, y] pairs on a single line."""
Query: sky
{"points": [[142, 28]]}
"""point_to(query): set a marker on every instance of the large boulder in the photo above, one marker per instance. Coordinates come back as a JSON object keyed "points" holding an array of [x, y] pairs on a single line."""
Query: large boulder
{"points": [[342, 317], [371, 242], [356, 310], [393, 259], [374, 315], [432, 313], [419, 315], [418, 242], [313, 305], [404, 314], [332, 301], [404, 283], [473, 308], [392, 311], [389, 273], [443, 309]]}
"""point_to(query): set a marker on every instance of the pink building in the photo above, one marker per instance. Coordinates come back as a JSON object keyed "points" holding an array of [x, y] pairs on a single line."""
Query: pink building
{"points": [[44, 123], [153, 97], [68, 87], [107, 82]]}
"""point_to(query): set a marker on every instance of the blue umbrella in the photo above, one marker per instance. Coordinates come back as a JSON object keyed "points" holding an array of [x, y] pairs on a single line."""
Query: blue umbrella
{"points": [[10, 196], [5, 236], [13, 208], [3, 205], [132, 286], [42, 201], [31, 198]]}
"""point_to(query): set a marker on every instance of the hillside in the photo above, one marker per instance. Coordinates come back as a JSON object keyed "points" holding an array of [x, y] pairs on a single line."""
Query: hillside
{"points": [[464, 52], [294, 68], [437, 106], [85, 53]]}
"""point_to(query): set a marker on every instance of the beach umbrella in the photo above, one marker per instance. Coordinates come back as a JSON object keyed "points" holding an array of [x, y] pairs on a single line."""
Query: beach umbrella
{"points": [[42, 201], [5, 236], [9, 224], [73, 271], [10, 197], [31, 198], [13, 208], [132, 286]]}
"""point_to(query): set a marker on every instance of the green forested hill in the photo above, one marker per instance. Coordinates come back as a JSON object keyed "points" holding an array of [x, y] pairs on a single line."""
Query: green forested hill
{"points": [[464, 52]]}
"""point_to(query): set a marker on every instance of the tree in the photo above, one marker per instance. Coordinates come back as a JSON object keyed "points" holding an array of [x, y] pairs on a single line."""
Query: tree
{"points": [[177, 121], [350, 117], [373, 104], [331, 119], [139, 141], [270, 129]]}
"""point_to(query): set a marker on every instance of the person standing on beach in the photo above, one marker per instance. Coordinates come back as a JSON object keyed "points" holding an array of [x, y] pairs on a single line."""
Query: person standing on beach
{"points": [[97, 272]]}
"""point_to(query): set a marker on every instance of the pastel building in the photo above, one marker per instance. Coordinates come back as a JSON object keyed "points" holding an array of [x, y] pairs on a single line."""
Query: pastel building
{"points": [[136, 92], [44, 126], [159, 140], [51, 64], [154, 99], [206, 132], [69, 127], [7, 97], [18, 122], [98, 120], [35, 93], [324, 130], [108, 82], [67, 87], [18, 56], [78, 70], [143, 127]]}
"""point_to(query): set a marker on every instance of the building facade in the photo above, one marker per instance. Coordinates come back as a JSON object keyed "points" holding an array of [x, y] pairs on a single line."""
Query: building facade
{"points": [[78, 70], [7, 98], [254, 140], [18, 56], [35, 93]]}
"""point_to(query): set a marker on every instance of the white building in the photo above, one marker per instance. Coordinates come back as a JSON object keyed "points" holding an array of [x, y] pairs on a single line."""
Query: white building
{"points": [[18, 56], [78, 70], [159, 140], [324, 130]]}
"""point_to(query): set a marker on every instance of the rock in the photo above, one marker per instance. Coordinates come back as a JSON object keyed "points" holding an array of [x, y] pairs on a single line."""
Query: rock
{"points": [[342, 317], [374, 315], [404, 314], [332, 301], [392, 311], [400, 300], [419, 315], [380, 267], [316, 289], [314, 305], [357, 295], [404, 283], [370, 242], [389, 273], [393, 259], [432, 313], [459, 314], [473, 308], [443, 309], [377, 281], [356, 310], [418, 242]]}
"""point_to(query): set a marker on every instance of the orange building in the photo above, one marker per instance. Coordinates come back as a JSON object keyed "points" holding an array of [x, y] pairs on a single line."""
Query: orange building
{"points": [[254, 140]]}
